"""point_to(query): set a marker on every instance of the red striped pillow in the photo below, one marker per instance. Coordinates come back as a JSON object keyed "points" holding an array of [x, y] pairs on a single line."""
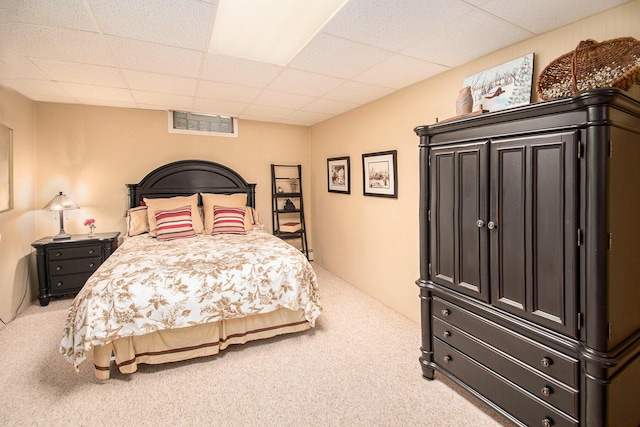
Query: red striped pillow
{"points": [[174, 223], [228, 220]]}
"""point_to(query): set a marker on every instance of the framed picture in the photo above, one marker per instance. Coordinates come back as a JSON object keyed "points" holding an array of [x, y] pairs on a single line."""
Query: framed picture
{"points": [[507, 85], [6, 169], [339, 175], [379, 174]]}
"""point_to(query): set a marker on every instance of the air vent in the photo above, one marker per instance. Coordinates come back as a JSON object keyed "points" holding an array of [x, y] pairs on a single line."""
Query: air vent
{"points": [[202, 124]]}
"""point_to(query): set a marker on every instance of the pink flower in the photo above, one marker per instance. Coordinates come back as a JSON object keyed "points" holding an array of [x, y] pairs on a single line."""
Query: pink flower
{"points": [[90, 222]]}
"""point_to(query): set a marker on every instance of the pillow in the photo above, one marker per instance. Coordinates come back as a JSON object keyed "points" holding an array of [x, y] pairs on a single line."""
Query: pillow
{"points": [[172, 203], [238, 200], [228, 220], [137, 221], [174, 223]]}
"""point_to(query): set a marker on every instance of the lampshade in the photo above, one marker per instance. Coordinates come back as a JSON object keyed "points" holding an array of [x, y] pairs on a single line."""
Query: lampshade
{"points": [[61, 203]]}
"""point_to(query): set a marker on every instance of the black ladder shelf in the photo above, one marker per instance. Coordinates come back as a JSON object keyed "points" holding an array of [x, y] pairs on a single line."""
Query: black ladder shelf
{"points": [[287, 206]]}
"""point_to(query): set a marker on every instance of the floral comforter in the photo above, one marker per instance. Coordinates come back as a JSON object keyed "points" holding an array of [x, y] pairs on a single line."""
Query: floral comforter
{"points": [[147, 285]]}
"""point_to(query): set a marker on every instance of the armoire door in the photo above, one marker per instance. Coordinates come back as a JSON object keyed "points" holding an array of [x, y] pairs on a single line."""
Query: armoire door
{"points": [[533, 228], [458, 212]]}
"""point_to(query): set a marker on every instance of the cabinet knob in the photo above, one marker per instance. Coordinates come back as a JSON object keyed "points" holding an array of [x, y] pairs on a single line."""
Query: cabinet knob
{"points": [[58, 253], [546, 362], [446, 334], [480, 223], [91, 265], [547, 422], [446, 359], [445, 312], [58, 268], [91, 251], [546, 391], [491, 225], [59, 284]]}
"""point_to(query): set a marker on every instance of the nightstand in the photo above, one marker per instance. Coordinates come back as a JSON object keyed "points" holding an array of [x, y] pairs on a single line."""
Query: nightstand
{"points": [[65, 265]]}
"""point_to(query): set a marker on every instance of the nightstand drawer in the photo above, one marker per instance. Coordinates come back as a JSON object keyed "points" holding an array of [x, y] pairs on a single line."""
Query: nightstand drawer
{"points": [[74, 252], [61, 284], [544, 359], [536, 383], [72, 266], [524, 406]]}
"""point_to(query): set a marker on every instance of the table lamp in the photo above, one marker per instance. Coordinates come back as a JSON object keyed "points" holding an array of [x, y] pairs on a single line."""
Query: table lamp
{"points": [[61, 203]]}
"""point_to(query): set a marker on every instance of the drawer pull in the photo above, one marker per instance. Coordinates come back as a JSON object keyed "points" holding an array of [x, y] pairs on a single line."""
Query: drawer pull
{"points": [[446, 359], [445, 312], [547, 422], [91, 251], [91, 265], [58, 253], [446, 334], [546, 390], [59, 284], [58, 268], [546, 362]]}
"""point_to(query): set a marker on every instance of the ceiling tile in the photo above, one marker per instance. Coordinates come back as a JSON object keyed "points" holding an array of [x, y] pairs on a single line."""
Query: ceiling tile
{"points": [[152, 82], [55, 43], [84, 91], [164, 100], [283, 99], [399, 71], [450, 46], [212, 106], [329, 106], [227, 92], [338, 57], [155, 58], [265, 111], [37, 88], [541, 16], [16, 66], [52, 13], [183, 23], [74, 72], [357, 93], [239, 71], [304, 83], [392, 25], [306, 118]]}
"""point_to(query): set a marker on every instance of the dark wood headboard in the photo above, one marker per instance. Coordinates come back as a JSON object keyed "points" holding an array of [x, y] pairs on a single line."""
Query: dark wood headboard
{"points": [[186, 177]]}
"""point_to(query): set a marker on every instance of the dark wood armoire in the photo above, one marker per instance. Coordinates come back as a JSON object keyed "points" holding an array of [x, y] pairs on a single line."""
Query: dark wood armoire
{"points": [[530, 258]]}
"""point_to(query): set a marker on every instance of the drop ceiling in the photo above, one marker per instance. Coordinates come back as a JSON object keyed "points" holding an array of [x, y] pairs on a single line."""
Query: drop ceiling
{"points": [[155, 54]]}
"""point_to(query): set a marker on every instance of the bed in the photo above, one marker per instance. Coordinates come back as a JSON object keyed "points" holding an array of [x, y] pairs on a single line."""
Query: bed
{"points": [[195, 274]]}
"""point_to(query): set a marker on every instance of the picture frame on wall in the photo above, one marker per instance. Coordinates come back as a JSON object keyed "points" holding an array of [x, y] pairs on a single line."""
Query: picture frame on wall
{"points": [[339, 175], [6, 169], [380, 174]]}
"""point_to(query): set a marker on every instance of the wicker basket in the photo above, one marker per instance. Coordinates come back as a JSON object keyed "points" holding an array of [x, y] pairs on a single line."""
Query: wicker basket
{"points": [[612, 63]]}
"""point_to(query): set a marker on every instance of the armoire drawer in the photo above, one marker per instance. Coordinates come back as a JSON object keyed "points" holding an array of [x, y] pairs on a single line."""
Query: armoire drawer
{"points": [[542, 386], [544, 359], [520, 404]]}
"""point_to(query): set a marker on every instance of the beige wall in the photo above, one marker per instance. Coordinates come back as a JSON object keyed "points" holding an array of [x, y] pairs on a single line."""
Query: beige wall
{"points": [[91, 152], [373, 242], [17, 226]]}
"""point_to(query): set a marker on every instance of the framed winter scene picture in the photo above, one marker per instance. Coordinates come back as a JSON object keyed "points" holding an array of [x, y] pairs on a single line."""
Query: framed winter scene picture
{"points": [[505, 86]]}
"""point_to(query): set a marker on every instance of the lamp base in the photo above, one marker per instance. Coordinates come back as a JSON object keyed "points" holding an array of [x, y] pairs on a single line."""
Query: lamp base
{"points": [[62, 236]]}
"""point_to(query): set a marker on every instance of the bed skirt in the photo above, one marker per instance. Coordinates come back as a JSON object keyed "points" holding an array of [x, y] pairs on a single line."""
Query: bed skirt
{"points": [[173, 345]]}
